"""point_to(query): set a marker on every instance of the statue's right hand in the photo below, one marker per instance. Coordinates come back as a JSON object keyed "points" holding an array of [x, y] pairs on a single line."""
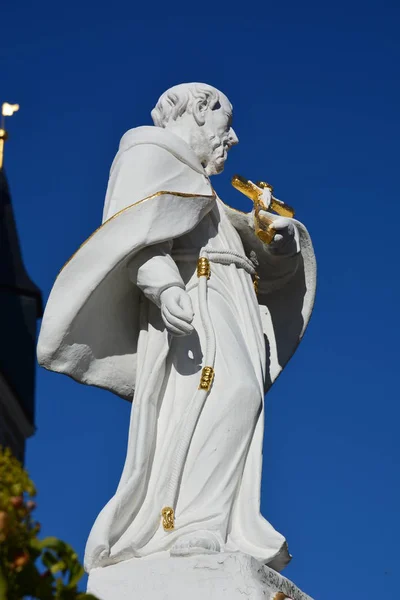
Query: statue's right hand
{"points": [[177, 311]]}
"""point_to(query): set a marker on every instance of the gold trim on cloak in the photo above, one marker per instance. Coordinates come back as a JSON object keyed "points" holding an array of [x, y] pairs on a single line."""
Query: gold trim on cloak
{"points": [[161, 193]]}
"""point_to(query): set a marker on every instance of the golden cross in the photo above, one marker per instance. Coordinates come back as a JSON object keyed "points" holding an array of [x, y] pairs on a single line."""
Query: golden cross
{"points": [[7, 110]]}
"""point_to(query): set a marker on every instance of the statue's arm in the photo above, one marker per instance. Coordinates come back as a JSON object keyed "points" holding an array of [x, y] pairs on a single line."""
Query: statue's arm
{"points": [[155, 272], [275, 263], [137, 174], [286, 242]]}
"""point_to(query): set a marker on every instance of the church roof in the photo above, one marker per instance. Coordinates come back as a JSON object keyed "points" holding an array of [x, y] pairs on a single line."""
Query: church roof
{"points": [[13, 275], [20, 307]]}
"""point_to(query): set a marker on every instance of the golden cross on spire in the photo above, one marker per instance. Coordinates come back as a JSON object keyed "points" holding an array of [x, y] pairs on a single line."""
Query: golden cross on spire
{"points": [[7, 110]]}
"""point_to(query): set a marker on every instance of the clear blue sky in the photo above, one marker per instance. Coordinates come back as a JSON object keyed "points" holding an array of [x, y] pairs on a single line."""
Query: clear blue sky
{"points": [[316, 95]]}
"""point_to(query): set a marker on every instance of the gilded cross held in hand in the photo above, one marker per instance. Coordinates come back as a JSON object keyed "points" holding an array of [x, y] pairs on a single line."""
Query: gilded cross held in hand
{"points": [[263, 225]]}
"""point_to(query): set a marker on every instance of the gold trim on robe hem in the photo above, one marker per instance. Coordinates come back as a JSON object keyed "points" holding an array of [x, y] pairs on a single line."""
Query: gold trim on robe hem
{"points": [[162, 193]]}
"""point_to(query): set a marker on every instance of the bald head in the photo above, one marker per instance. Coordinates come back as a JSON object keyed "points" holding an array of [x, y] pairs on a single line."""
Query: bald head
{"points": [[202, 116], [182, 98]]}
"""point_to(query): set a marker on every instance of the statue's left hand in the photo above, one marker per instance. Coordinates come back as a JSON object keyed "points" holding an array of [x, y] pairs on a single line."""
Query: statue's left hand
{"points": [[286, 239]]}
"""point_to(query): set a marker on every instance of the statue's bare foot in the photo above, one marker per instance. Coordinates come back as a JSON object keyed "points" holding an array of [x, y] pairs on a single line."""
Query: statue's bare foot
{"points": [[198, 542]]}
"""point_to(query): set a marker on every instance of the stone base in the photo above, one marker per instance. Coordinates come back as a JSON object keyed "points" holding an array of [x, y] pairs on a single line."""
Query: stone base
{"points": [[203, 577]]}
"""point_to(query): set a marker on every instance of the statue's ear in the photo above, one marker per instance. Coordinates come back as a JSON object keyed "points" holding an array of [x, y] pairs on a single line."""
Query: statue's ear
{"points": [[200, 108]]}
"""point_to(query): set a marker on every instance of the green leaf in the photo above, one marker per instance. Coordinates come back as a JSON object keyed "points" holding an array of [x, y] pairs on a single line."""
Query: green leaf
{"points": [[51, 543], [59, 566], [76, 576], [49, 559]]}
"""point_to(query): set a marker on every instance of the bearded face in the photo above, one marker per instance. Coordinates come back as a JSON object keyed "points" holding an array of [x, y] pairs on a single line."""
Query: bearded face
{"points": [[218, 136], [206, 125]]}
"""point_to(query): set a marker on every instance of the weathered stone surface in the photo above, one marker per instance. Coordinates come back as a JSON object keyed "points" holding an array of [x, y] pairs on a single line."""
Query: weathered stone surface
{"points": [[203, 577]]}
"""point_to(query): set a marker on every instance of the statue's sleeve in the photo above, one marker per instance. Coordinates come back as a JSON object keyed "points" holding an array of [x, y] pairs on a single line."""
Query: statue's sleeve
{"points": [[154, 270]]}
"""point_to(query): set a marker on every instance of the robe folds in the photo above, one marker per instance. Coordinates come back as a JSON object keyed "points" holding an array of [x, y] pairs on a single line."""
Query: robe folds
{"points": [[102, 326]]}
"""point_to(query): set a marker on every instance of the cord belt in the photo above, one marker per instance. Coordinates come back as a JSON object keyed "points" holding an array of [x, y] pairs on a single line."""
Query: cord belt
{"points": [[223, 257]]}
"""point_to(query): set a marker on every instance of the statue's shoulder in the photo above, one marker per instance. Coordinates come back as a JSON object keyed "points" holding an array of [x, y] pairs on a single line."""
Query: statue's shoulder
{"points": [[145, 134], [160, 138]]}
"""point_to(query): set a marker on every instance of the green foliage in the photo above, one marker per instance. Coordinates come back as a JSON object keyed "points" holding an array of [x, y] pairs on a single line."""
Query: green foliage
{"points": [[46, 569]]}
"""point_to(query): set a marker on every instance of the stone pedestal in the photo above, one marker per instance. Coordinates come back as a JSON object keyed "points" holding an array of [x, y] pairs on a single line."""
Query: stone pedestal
{"points": [[202, 577]]}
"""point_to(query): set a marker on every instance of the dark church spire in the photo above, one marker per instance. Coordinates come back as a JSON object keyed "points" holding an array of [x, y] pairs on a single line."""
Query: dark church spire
{"points": [[20, 307], [13, 275]]}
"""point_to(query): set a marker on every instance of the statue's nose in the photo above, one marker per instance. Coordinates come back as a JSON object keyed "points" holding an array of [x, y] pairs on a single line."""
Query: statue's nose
{"points": [[233, 138]]}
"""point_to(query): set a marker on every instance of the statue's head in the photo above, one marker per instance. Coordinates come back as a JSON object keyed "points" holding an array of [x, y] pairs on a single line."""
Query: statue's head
{"points": [[202, 116]]}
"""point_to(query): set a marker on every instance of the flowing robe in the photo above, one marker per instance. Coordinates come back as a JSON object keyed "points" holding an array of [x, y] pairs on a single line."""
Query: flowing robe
{"points": [[160, 214]]}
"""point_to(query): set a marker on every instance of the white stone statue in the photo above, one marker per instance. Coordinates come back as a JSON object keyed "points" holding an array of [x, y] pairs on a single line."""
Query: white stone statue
{"points": [[159, 303]]}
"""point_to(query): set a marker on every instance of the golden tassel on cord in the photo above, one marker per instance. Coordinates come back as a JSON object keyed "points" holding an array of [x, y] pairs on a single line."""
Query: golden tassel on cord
{"points": [[168, 518], [207, 376], [203, 267]]}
